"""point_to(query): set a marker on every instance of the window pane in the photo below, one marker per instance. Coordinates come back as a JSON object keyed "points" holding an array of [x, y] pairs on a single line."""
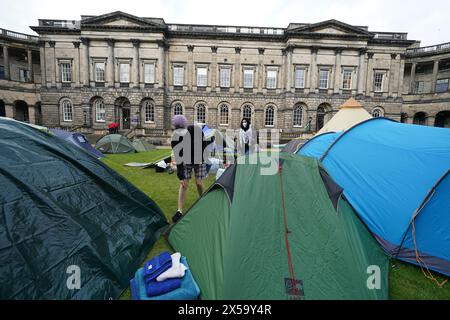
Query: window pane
{"points": [[224, 115], [298, 117], [2, 72], [99, 72], [66, 72], [378, 82], [201, 114], [124, 72], [269, 117], [67, 110], [149, 112], [202, 77], [347, 79], [247, 112], [323, 79], [225, 75], [178, 76], [248, 78], [442, 85], [178, 109], [100, 112], [271, 79], [300, 78], [149, 73]]}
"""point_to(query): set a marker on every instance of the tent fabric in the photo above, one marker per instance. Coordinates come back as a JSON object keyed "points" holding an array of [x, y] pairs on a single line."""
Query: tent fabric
{"points": [[318, 145], [114, 143], [65, 208], [79, 140], [387, 170], [350, 114], [237, 248], [142, 145]]}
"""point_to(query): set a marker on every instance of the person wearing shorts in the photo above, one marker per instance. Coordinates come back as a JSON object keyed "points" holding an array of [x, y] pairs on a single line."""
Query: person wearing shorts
{"points": [[188, 144]]}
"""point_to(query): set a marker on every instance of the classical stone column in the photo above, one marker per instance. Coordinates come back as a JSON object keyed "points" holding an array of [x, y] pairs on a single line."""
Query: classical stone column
{"points": [[77, 64], [392, 74], [260, 69], [361, 71], [135, 64], [369, 78], [435, 76], [237, 70], [161, 64], [401, 75], [313, 73], [283, 70], [214, 80], [337, 70], [289, 52], [6, 61], [85, 65], [53, 64], [43, 65], [190, 68], [110, 72], [30, 65], [412, 79]]}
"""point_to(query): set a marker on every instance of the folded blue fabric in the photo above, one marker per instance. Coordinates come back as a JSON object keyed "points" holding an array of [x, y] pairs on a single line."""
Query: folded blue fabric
{"points": [[156, 266], [155, 288], [188, 290]]}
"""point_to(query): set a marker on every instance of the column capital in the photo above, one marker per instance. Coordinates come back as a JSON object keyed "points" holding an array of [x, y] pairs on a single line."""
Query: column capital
{"points": [[52, 44], [314, 50], [338, 50], [402, 56], [163, 44], [111, 41], [238, 50], [261, 50], [85, 41], [370, 54], [136, 43], [41, 43], [393, 56], [190, 48], [289, 48], [76, 44], [214, 49], [362, 51], [283, 52]]}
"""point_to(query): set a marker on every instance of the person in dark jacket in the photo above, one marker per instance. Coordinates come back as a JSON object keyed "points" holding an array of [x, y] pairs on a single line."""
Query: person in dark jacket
{"points": [[188, 145]]}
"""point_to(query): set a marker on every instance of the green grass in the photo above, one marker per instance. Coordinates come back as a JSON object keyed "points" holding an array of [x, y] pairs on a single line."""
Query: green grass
{"points": [[407, 282]]}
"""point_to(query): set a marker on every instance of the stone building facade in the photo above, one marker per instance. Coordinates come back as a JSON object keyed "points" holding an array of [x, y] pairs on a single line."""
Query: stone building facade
{"points": [[140, 71]]}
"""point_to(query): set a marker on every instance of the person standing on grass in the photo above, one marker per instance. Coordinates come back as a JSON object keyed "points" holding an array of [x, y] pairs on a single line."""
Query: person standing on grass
{"points": [[188, 145], [247, 138]]}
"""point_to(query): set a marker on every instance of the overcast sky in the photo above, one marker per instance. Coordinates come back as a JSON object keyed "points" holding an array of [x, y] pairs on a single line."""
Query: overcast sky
{"points": [[423, 20]]}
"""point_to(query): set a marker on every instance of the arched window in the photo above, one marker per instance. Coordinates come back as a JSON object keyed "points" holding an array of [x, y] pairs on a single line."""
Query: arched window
{"points": [[223, 117], [320, 121], [67, 110], [100, 111], [247, 112], [377, 113], [297, 118], [270, 116], [177, 109], [201, 113], [420, 118], [149, 111]]}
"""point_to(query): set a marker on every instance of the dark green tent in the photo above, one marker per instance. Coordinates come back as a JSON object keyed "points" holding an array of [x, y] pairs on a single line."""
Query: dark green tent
{"points": [[242, 245], [114, 143], [63, 210]]}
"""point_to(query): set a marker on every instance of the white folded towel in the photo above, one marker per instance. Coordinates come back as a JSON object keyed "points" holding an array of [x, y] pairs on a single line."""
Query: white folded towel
{"points": [[177, 270]]}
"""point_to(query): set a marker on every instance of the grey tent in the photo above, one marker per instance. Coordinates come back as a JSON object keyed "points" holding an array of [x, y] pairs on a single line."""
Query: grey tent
{"points": [[114, 143], [142, 145]]}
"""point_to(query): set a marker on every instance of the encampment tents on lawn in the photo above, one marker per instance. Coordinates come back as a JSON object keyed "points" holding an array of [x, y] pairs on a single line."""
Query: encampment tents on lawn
{"points": [[114, 143], [79, 140]]}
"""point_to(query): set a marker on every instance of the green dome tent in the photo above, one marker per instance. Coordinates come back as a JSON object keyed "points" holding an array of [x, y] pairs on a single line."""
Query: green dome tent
{"points": [[114, 143], [63, 210], [290, 235], [142, 145]]}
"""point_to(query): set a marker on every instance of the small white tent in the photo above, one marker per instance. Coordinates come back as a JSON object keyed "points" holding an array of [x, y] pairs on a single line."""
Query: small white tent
{"points": [[351, 113]]}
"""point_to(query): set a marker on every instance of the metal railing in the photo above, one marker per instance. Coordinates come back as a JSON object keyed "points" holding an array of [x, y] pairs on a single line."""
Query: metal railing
{"points": [[226, 29], [69, 24], [17, 35], [429, 49]]}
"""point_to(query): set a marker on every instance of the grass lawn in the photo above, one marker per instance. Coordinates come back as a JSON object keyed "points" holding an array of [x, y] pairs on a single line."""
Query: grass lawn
{"points": [[406, 281]]}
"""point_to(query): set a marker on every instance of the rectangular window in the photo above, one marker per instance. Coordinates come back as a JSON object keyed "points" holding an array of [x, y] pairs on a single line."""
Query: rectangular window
{"points": [[271, 79], [99, 72], [225, 77], [2, 72], [178, 75], [323, 79], [442, 85], [300, 78], [149, 73], [23, 75], [378, 82], [202, 77], [66, 72], [347, 79], [420, 86], [124, 69], [248, 78], [100, 112]]}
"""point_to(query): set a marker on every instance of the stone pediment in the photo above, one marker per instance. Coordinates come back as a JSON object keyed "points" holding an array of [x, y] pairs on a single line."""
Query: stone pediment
{"points": [[332, 28], [119, 20]]}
